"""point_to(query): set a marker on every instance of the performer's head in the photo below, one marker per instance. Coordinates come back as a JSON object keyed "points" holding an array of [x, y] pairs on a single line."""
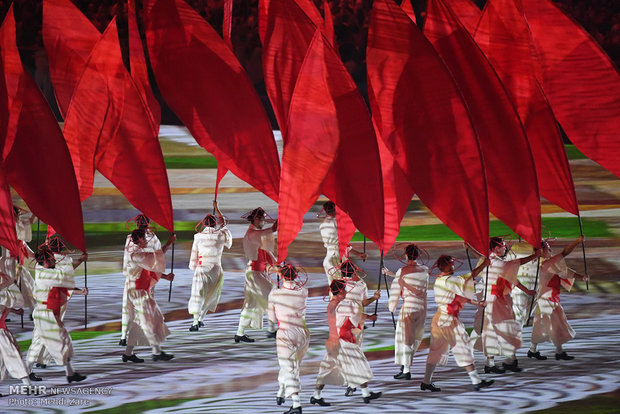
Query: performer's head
{"points": [[138, 237], [546, 249], [142, 221], [412, 251], [55, 244], [45, 257], [348, 269], [445, 264], [257, 217], [330, 208], [209, 220], [16, 211], [337, 287], [289, 272], [498, 246]]}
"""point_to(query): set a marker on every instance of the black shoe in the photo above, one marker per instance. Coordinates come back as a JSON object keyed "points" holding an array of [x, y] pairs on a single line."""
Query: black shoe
{"points": [[280, 400], [430, 387], [403, 376], [493, 370], [162, 357], [514, 367], [76, 377], [564, 356], [200, 324], [272, 335], [319, 401], [483, 384], [34, 377], [122, 342], [349, 392], [194, 328], [536, 355], [243, 338], [293, 410], [7, 320], [43, 366], [132, 358], [372, 396]]}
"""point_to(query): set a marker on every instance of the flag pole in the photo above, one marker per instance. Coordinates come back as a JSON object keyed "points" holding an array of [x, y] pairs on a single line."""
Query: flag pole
{"points": [[171, 271], [86, 296], [379, 283], [529, 314], [583, 250], [468, 259], [486, 284], [387, 289]]}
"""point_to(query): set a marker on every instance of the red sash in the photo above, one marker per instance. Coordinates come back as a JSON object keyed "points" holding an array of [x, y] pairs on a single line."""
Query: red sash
{"points": [[555, 283], [264, 258], [5, 313], [57, 297], [144, 281], [501, 286], [455, 307], [346, 333]]}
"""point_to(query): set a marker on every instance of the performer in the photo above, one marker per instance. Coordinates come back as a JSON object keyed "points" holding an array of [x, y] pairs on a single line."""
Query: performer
{"points": [[329, 234], [527, 276], [144, 268], [206, 262], [447, 331], [52, 287], [144, 223], [37, 353], [258, 244], [344, 362], [501, 332], [287, 309], [550, 323], [11, 300], [410, 284]]}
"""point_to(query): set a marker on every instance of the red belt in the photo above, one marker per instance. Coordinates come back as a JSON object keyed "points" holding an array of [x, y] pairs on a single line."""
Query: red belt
{"points": [[261, 262], [57, 297], [555, 283], [345, 333], [501, 286], [455, 307], [144, 281], [5, 313]]}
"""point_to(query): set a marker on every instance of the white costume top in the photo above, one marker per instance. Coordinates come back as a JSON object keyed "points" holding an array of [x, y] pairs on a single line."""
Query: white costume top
{"points": [[498, 268], [255, 239], [329, 234], [413, 301], [47, 278], [147, 259], [446, 289], [208, 247], [551, 267], [23, 228], [287, 306]]}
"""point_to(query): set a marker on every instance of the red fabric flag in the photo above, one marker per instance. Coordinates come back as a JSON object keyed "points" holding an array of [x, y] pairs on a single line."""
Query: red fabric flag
{"points": [[504, 37], [221, 172], [108, 127], [139, 72], [69, 37], [580, 81], [288, 33], [227, 23], [313, 141], [329, 25], [204, 83], [467, 12], [346, 230], [408, 9], [510, 172], [38, 165], [263, 15], [437, 151]]}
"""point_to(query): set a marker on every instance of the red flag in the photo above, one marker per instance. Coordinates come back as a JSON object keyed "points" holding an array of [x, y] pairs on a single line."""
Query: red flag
{"points": [[204, 83], [264, 14], [227, 23], [329, 25], [288, 33], [510, 172], [504, 37], [139, 72], [38, 165], [467, 12], [69, 37], [580, 81], [425, 125], [8, 238], [408, 9], [221, 172], [108, 128], [313, 141], [346, 230]]}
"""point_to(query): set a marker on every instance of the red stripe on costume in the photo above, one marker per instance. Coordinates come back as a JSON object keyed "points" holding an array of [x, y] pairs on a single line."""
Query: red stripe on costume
{"points": [[345, 333]]}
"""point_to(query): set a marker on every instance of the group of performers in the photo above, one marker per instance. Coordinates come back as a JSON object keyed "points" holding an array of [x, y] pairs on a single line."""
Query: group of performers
{"points": [[505, 289]]}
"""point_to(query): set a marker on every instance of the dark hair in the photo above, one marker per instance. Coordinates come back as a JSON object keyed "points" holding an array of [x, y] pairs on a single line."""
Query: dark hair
{"points": [[209, 220], [142, 221], [495, 242], [444, 262], [55, 244], [329, 207], [336, 286], [289, 272], [16, 211], [347, 268], [137, 235], [412, 251], [257, 213], [43, 255]]}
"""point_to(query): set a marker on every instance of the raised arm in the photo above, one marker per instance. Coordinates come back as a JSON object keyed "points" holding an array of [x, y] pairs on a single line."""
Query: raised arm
{"points": [[480, 267], [171, 239], [368, 301], [568, 249], [220, 216], [80, 260]]}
